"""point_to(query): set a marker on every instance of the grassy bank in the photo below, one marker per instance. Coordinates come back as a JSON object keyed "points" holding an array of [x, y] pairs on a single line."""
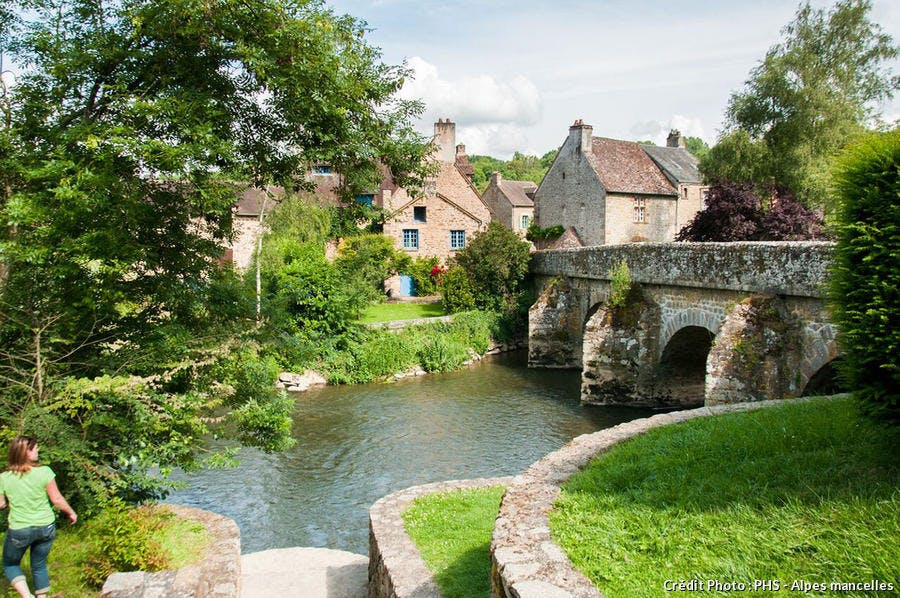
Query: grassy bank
{"points": [[75, 568], [433, 346], [388, 312], [453, 533], [805, 491]]}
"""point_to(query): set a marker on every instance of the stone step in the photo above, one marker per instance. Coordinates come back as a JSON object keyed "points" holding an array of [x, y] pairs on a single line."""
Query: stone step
{"points": [[304, 573]]}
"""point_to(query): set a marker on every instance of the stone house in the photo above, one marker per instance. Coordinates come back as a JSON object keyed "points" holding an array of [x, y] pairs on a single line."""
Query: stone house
{"points": [[441, 220], [607, 191], [512, 202], [251, 201]]}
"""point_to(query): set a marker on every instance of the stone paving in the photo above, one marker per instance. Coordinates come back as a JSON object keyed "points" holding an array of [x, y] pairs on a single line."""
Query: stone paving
{"points": [[304, 573]]}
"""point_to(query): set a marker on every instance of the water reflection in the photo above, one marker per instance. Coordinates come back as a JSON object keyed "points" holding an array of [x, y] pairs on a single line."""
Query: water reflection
{"points": [[357, 443]]}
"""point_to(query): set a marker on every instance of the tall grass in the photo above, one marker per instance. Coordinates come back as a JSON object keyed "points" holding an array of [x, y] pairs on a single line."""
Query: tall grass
{"points": [[804, 491]]}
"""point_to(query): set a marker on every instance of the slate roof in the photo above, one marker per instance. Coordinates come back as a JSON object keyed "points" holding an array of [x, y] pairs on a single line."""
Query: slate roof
{"points": [[517, 192], [623, 167], [678, 164]]}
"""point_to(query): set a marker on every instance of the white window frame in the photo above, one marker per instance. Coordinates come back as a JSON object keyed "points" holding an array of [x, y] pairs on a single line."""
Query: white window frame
{"points": [[640, 210], [455, 244]]}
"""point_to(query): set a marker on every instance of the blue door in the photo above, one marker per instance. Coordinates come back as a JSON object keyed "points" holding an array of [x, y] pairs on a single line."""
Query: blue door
{"points": [[407, 286]]}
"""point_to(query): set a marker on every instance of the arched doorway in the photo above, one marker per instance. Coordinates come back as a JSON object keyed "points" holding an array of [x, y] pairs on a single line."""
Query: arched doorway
{"points": [[682, 367]]}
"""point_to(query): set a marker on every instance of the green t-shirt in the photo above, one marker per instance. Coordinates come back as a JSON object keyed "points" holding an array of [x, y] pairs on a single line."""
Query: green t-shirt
{"points": [[26, 494]]}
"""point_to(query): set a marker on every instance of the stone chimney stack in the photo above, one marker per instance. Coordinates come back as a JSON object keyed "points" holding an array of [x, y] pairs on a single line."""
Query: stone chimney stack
{"points": [[445, 140], [581, 134], [675, 139], [496, 177]]}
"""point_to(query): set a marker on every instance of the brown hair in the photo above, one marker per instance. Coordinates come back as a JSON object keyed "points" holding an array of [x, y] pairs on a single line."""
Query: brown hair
{"points": [[18, 454]]}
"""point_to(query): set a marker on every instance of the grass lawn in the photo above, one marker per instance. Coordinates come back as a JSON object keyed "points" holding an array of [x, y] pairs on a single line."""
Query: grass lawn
{"points": [[453, 533], [387, 312], [182, 540], [806, 491]]}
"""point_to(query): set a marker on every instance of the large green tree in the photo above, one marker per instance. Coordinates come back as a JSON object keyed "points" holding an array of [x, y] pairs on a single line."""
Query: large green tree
{"points": [[127, 122], [809, 96]]}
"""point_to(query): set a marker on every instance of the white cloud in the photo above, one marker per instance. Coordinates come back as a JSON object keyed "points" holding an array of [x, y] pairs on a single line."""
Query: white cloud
{"points": [[476, 100], [497, 140], [657, 130]]}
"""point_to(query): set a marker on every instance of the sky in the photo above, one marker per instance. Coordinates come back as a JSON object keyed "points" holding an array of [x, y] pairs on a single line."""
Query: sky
{"points": [[515, 74]]}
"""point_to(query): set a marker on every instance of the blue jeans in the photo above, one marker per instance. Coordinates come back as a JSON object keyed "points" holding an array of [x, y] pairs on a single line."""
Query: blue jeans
{"points": [[39, 539]]}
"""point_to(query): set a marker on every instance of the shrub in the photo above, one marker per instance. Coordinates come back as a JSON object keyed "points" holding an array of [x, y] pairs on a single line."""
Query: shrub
{"points": [[456, 291], [866, 272], [536, 233], [126, 542], [496, 261], [421, 272], [620, 284], [442, 353]]}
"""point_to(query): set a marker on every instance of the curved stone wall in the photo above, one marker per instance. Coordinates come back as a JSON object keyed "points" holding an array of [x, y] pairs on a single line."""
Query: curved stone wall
{"points": [[395, 568], [218, 575], [525, 562]]}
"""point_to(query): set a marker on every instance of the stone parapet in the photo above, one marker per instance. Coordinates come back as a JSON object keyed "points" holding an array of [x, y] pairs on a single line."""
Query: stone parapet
{"points": [[217, 575], [525, 562], [396, 570], [775, 268]]}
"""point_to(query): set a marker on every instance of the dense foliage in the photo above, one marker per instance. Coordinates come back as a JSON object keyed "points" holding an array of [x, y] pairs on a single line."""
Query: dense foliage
{"points": [[496, 263], [536, 233], [734, 212], [520, 167], [808, 98], [117, 144], [865, 287]]}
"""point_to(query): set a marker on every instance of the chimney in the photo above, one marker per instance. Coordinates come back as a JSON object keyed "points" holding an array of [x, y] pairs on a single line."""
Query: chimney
{"points": [[675, 139], [581, 134], [496, 177], [445, 140]]}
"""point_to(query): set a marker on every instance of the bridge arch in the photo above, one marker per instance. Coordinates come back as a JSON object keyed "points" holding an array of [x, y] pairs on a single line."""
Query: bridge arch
{"points": [[820, 350], [673, 321], [683, 364]]}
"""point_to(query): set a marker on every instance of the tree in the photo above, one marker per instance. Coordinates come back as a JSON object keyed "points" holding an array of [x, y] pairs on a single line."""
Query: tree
{"points": [[806, 100], [734, 212], [126, 126], [696, 146], [865, 277], [496, 262]]}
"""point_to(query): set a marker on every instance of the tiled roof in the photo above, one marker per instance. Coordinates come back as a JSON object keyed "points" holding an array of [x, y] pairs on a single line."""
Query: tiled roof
{"points": [[623, 167], [517, 192], [251, 199], [464, 166], [678, 164]]}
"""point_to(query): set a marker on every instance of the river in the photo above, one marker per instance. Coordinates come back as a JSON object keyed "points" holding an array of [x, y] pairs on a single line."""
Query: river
{"points": [[356, 444]]}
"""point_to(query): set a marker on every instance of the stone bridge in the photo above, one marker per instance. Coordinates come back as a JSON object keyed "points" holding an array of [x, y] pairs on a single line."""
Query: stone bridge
{"points": [[704, 323]]}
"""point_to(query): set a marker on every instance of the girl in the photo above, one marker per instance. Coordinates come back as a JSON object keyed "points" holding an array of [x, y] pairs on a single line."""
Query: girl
{"points": [[28, 488]]}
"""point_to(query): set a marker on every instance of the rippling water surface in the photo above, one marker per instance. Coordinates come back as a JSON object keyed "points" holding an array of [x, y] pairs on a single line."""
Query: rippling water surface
{"points": [[357, 443]]}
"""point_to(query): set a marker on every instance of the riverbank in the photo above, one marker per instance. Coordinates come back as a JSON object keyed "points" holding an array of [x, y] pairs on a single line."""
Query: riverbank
{"points": [[391, 351]]}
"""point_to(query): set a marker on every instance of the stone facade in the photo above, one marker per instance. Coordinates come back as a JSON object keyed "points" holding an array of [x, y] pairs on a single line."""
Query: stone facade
{"points": [[705, 322], [445, 217], [613, 191], [511, 202]]}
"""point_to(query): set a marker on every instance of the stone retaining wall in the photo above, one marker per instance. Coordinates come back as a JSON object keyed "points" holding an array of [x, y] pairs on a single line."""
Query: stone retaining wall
{"points": [[525, 562], [395, 568], [218, 575]]}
